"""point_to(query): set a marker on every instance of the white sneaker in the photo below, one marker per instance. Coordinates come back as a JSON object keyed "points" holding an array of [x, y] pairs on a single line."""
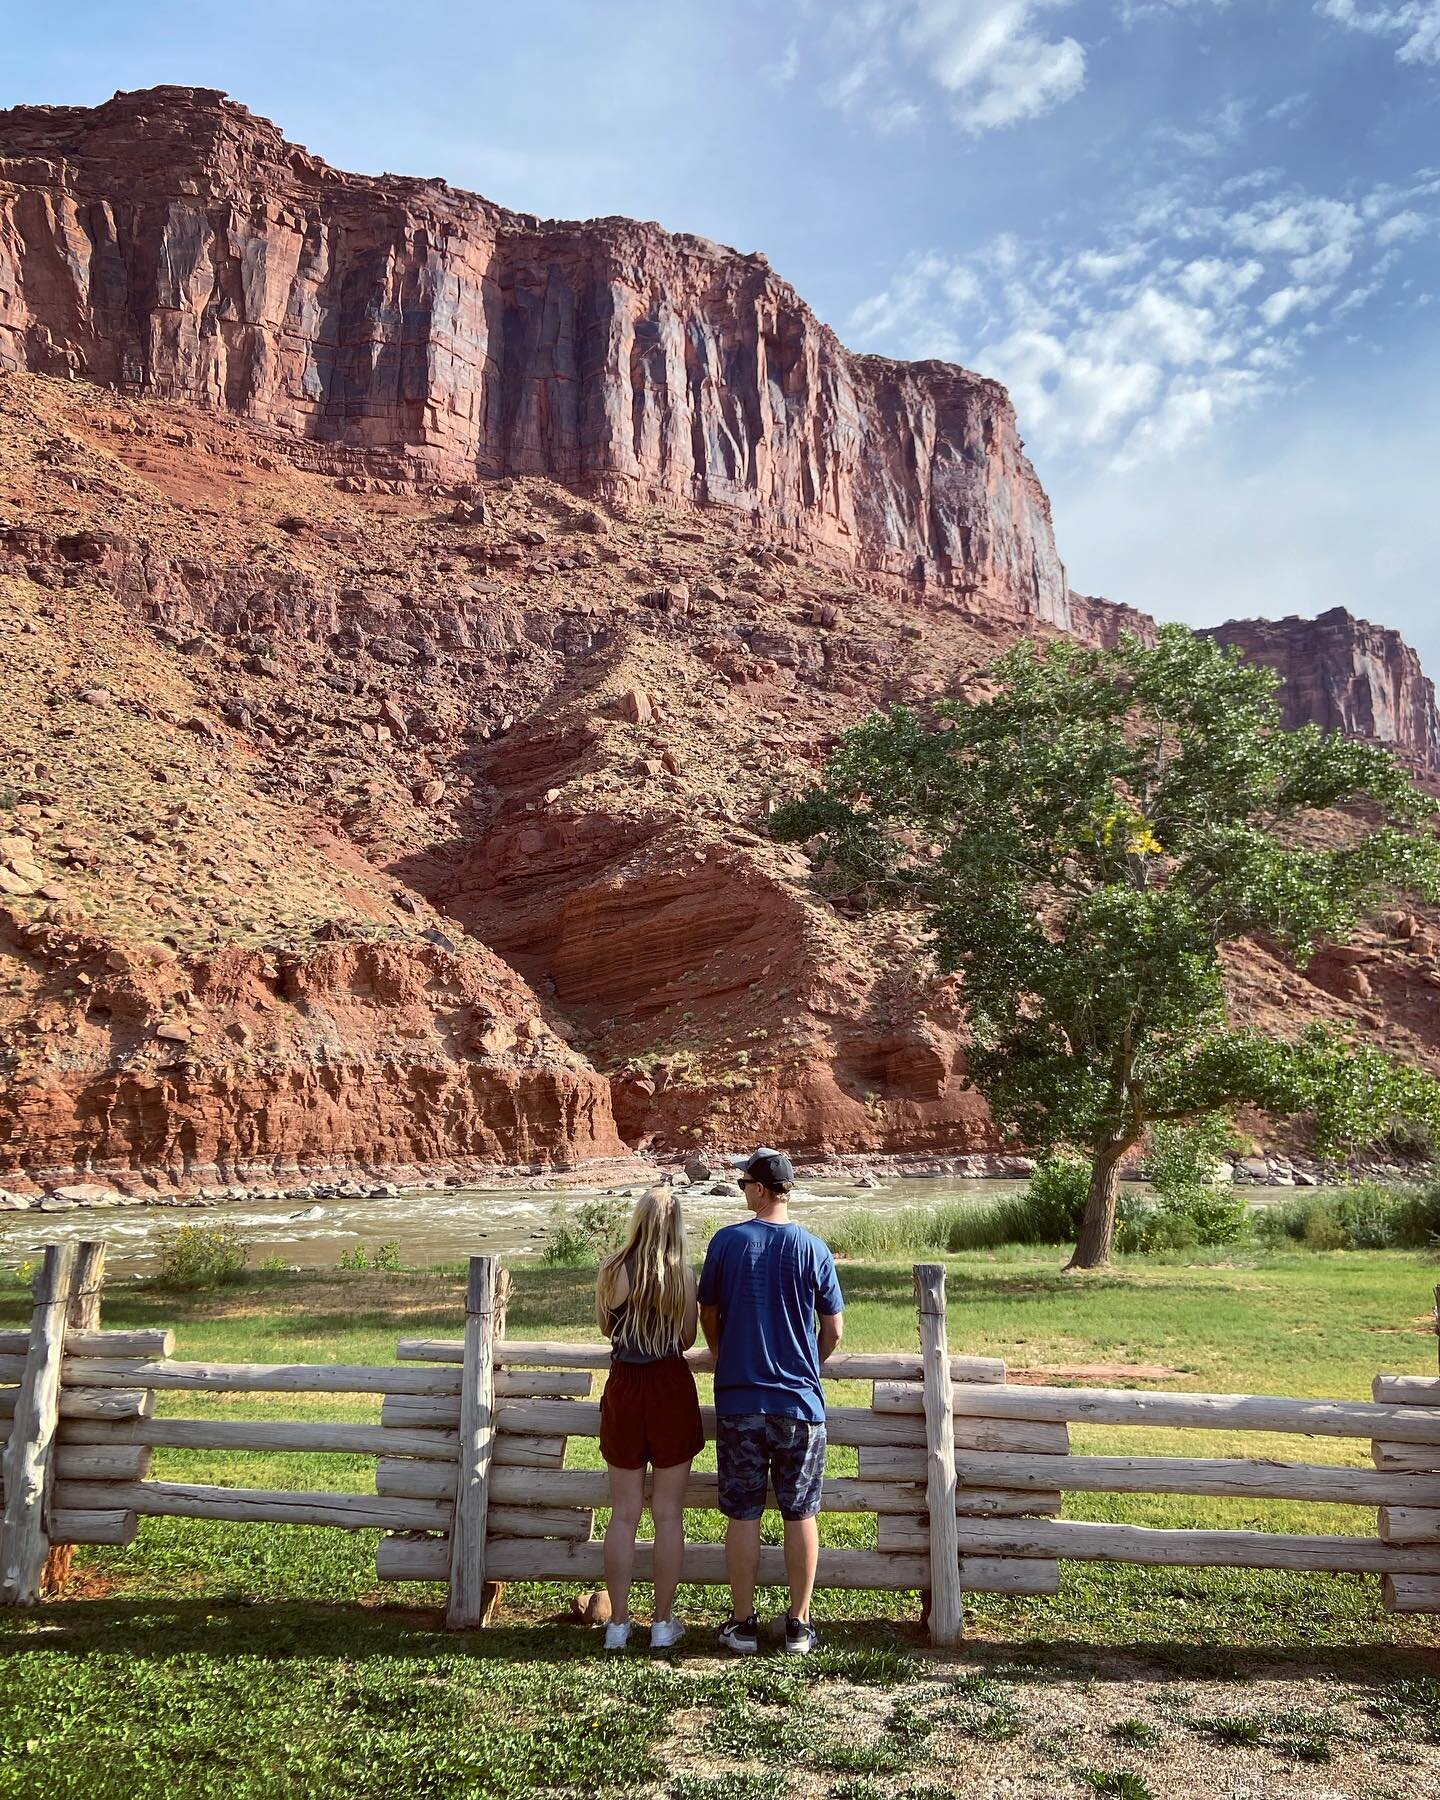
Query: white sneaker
{"points": [[617, 1637], [665, 1634]]}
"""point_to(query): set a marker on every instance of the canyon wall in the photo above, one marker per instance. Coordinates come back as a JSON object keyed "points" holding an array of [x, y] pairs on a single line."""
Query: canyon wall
{"points": [[171, 244], [1345, 674]]}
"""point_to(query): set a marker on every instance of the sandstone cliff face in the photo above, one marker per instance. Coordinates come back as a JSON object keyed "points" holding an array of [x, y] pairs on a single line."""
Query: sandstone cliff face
{"points": [[171, 244], [1344, 674]]}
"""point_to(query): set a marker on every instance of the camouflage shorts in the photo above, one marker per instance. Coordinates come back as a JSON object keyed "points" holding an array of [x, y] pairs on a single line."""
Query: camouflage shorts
{"points": [[756, 1450]]}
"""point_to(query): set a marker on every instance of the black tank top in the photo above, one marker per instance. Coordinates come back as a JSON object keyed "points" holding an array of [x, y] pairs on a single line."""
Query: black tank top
{"points": [[623, 1348]]}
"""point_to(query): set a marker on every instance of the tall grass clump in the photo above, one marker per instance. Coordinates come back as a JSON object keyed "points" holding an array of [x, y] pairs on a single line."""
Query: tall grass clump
{"points": [[1364, 1217], [196, 1258], [1047, 1211]]}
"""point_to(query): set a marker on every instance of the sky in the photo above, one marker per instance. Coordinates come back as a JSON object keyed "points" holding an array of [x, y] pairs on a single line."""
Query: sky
{"points": [[1199, 240]]}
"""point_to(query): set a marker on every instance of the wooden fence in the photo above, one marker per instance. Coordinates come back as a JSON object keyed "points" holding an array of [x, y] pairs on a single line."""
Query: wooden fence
{"points": [[964, 1472]]}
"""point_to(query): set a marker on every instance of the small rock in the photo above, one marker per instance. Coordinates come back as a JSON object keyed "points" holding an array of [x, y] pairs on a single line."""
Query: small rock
{"points": [[697, 1169], [96, 696], [430, 791], [172, 1032]]}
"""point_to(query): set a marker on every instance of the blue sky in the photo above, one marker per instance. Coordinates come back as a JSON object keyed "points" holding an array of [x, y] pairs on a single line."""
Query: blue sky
{"points": [[1199, 239]]}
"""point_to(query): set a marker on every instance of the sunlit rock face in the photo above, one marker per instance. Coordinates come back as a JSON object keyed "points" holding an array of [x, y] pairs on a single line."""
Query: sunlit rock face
{"points": [[1344, 674], [172, 244]]}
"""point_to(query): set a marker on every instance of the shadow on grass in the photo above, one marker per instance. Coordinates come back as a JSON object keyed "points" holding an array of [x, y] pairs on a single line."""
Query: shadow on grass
{"points": [[861, 1649]]}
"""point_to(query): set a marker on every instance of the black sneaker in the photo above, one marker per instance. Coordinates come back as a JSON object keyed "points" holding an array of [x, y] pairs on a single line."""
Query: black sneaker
{"points": [[741, 1636], [800, 1636]]}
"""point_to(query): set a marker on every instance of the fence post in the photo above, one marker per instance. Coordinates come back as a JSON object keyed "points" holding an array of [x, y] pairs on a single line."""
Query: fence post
{"points": [[83, 1315], [947, 1612], [483, 1299], [29, 1455]]}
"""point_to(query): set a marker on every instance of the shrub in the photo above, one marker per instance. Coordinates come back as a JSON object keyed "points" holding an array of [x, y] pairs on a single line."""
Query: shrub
{"points": [[1194, 1207], [1363, 1217], [592, 1230], [1055, 1199], [196, 1257], [384, 1256]]}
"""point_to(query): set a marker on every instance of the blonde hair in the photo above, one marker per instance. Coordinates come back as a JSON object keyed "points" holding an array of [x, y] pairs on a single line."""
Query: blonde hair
{"points": [[661, 1280]]}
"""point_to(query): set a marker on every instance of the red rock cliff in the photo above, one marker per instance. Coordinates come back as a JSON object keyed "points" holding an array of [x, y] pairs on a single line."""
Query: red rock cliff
{"points": [[1344, 674], [172, 244]]}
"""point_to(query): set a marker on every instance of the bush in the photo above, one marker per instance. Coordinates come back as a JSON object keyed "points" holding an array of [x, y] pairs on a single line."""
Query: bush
{"points": [[384, 1256], [592, 1230], [1194, 1208], [1055, 1199], [1363, 1217], [197, 1257]]}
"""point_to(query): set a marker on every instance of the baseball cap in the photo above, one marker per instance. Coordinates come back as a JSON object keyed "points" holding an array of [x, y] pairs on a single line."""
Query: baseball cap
{"points": [[772, 1167]]}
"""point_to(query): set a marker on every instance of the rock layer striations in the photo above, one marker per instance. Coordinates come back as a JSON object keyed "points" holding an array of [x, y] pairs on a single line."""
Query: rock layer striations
{"points": [[173, 245], [1345, 674]]}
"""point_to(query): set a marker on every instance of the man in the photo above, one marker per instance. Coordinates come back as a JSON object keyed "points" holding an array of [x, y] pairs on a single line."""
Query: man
{"points": [[763, 1284]]}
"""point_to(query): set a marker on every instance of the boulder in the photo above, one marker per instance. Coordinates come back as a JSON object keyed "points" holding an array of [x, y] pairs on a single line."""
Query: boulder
{"points": [[634, 704]]}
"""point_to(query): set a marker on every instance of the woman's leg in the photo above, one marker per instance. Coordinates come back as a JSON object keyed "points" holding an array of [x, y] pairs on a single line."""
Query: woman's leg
{"points": [[627, 1502], [667, 1509]]}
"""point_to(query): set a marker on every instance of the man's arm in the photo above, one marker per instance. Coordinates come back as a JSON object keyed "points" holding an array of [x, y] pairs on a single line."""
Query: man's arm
{"points": [[832, 1329], [710, 1325]]}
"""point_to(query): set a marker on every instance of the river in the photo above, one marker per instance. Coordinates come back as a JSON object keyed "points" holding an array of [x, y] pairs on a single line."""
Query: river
{"points": [[430, 1227]]}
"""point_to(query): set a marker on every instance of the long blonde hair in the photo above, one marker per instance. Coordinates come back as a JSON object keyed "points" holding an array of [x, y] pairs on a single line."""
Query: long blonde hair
{"points": [[662, 1283]]}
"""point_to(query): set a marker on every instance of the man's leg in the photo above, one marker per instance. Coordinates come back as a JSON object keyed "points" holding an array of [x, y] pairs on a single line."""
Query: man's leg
{"points": [[740, 1462], [802, 1557], [797, 1467], [742, 1563]]}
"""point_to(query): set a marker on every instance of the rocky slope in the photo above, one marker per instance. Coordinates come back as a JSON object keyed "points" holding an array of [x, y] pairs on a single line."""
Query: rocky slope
{"points": [[366, 806]]}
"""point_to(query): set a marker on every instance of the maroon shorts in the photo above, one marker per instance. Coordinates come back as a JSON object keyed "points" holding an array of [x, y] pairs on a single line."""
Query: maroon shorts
{"points": [[650, 1413]]}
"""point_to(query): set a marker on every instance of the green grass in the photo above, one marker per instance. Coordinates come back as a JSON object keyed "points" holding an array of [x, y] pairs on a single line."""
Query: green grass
{"points": [[268, 1661]]}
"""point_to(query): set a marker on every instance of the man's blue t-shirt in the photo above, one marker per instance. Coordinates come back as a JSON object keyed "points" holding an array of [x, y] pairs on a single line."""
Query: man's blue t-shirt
{"points": [[769, 1281]]}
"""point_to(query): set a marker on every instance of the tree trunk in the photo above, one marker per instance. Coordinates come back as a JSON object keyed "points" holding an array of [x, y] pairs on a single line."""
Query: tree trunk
{"points": [[1092, 1250]]}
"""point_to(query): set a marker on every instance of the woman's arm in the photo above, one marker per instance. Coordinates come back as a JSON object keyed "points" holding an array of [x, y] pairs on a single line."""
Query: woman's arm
{"points": [[621, 1295], [690, 1329]]}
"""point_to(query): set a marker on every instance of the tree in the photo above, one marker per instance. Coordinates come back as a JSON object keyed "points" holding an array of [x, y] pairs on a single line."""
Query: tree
{"points": [[1084, 843]]}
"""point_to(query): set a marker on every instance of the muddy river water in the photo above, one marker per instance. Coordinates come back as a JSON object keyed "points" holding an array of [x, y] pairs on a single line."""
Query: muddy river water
{"points": [[432, 1227]]}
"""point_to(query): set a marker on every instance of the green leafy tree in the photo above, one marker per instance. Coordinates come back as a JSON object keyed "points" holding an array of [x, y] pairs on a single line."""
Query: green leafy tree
{"points": [[1083, 845]]}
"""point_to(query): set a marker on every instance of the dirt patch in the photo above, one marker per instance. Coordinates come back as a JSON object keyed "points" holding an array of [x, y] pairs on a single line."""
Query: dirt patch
{"points": [[989, 1731], [1095, 1372]]}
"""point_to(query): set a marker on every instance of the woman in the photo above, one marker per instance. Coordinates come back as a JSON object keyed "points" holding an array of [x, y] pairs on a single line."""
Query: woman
{"points": [[649, 1412]]}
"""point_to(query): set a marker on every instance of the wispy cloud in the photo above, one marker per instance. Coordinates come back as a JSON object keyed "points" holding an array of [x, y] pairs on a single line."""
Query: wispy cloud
{"points": [[1416, 23], [1141, 345], [997, 62]]}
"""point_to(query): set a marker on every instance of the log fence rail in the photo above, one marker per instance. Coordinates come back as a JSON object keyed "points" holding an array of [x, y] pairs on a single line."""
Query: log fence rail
{"points": [[964, 1472]]}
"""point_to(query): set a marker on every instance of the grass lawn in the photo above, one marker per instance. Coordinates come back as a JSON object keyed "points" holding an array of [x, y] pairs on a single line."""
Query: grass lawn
{"points": [[234, 1660]]}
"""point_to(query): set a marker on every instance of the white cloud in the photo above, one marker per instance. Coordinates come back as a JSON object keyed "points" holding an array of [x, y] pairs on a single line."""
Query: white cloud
{"points": [[1403, 225], [995, 59], [786, 66], [1415, 22], [1277, 307], [1142, 345], [1217, 278]]}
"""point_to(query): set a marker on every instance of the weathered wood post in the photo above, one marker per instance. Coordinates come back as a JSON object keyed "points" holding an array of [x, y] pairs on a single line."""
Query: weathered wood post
{"points": [[947, 1611], [83, 1315], [483, 1298], [29, 1455]]}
